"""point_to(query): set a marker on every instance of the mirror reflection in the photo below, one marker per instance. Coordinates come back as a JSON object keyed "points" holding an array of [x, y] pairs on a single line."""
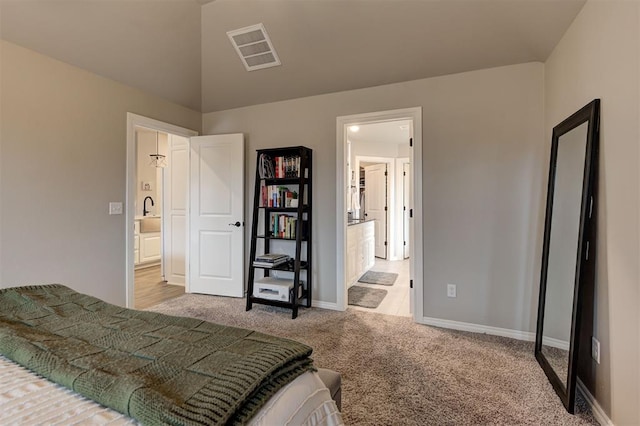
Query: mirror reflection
{"points": [[563, 249]]}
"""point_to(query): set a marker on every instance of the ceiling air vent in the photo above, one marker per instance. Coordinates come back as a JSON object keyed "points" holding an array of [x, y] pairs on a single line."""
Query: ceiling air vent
{"points": [[254, 47]]}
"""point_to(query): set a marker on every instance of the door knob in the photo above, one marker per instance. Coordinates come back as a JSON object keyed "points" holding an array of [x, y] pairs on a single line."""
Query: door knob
{"points": [[237, 224]]}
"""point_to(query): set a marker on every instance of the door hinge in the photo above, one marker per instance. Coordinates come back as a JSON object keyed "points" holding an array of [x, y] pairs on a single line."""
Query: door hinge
{"points": [[404, 173], [385, 243], [410, 212], [410, 283], [404, 208], [385, 208], [404, 243], [385, 173], [410, 141]]}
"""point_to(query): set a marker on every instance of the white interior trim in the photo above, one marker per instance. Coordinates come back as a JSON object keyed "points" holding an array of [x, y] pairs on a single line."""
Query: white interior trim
{"points": [[133, 121], [325, 305], [478, 328], [399, 202], [555, 343], [596, 408], [342, 180]]}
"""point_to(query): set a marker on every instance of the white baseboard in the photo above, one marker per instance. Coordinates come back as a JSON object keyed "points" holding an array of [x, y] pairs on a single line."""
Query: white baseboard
{"points": [[325, 305], [555, 343], [596, 409], [477, 328]]}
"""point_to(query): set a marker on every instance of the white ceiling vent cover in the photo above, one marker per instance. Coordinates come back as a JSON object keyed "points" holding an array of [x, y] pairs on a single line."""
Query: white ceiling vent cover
{"points": [[254, 47]]}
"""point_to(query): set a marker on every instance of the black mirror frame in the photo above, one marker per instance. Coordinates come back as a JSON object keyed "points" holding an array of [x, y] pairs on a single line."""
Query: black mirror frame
{"points": [[585, 256]]}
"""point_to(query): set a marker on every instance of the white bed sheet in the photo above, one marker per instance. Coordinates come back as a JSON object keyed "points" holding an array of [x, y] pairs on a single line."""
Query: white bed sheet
{"points": [[29, 399]]}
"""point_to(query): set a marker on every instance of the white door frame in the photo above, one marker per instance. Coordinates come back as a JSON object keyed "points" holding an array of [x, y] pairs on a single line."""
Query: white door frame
{"points": [[133, 121], [342, 182], [400, 163]]}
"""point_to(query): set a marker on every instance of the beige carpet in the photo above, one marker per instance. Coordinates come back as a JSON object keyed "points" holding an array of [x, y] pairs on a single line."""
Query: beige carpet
{"points": [[396, 372]]}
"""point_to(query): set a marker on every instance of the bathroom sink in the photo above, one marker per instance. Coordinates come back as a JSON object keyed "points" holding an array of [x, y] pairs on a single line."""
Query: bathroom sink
{"points": [[150, 224]]}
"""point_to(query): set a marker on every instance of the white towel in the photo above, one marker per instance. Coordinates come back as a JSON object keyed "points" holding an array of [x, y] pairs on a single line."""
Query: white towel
{"points": [[355, 199]]}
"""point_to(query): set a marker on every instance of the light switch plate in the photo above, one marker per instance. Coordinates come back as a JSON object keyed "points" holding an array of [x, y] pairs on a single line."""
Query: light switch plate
{"points": [[115, 207]]}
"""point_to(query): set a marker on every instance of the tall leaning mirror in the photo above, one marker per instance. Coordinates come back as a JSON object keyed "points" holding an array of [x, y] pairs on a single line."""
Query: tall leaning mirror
{"points": [[568, 252]]}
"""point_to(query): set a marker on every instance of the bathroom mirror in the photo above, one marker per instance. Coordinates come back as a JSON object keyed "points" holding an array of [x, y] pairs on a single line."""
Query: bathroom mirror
{"points": [[569, 248]]}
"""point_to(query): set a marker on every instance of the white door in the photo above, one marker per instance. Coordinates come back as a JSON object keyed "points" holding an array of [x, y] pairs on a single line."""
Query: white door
{"points": [[375, 181], [406, 206], [174, 210], [216, 228]]}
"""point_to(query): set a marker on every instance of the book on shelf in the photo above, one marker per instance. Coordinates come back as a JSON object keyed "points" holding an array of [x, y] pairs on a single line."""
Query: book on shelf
{"points": [[277, 196], [286, 226], [270, 260], [286, 166], [271, 257]]}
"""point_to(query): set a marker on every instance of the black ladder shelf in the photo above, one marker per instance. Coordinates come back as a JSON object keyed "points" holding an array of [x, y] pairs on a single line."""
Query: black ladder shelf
{"points": [[293, 176]]}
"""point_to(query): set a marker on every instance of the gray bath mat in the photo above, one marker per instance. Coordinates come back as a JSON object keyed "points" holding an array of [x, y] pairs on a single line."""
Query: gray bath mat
{"points": [[375, 277], [365, 296]]}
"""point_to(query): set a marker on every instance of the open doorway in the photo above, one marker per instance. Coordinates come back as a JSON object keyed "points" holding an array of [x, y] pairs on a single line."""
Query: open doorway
{"points": [[150, 286], [155, 243], [379, 163], [160, 216]]}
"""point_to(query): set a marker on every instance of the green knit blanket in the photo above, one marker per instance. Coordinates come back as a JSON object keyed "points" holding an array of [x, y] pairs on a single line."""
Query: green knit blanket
{"points": [[155, 368]]}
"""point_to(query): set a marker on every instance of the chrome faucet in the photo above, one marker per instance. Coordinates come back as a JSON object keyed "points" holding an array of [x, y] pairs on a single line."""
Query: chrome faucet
{"points": [[144, 208]]}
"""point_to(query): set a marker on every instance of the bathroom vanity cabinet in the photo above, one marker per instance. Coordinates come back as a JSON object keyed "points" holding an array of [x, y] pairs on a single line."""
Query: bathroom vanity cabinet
{"points": [[360, 249], [147, 246]]}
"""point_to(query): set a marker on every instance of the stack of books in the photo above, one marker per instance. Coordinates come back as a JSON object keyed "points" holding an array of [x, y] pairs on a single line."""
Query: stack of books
{"points": [[277, 196], [287, 166], [283, 226], [270, 260]]}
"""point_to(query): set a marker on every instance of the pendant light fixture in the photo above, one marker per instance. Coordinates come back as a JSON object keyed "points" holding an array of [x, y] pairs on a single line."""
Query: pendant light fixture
{"points": [[157, 159]]}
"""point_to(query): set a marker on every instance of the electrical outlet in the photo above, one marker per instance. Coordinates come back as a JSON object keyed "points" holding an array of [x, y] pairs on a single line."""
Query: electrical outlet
{"points": [[595, 349], [451, 290]]}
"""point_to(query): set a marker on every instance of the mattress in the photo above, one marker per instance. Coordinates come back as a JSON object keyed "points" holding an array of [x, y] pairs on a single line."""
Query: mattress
{"points": [[29, 399]]}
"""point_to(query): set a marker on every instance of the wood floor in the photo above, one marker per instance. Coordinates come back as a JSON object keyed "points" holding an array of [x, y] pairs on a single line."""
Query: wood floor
{"points": [[151, 290], [396, 302]]}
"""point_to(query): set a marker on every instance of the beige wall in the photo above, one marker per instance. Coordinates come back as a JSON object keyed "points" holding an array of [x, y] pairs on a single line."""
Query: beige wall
{"points": [[599, 58], [483, 182], [63, 159]]}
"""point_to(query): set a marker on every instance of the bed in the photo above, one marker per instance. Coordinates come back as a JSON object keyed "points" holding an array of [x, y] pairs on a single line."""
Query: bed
{"points": [[113, 365]]}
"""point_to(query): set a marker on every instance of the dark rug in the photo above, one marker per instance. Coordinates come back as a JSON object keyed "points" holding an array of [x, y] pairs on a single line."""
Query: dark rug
{"points": [[375, 277], [366, 297]]}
